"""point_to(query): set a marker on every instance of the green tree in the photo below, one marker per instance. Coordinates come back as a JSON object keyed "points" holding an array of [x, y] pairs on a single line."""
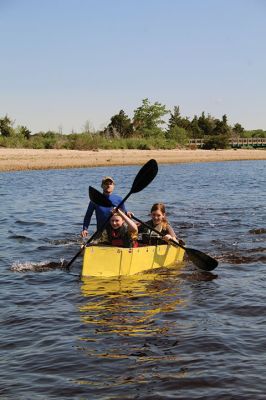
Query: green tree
{"points": [[196, 132], [149, 116], [206, 124], [24, 131], [176, 120], [6, 127], [237, 129], [221, 127], [216, 142], [260, 133], [178, 134], [120, 125]]}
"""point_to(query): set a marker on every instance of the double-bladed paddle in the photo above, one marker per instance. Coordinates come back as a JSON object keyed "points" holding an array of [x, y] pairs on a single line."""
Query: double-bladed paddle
{"points": [[200, 259], [144, 177]]}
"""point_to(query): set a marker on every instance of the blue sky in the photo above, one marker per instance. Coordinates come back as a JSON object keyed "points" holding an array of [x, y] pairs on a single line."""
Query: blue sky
{"points": [[65, 62]]}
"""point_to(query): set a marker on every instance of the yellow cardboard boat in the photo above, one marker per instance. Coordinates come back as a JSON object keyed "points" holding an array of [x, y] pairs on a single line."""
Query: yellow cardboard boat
{"points": [[107, 261]]}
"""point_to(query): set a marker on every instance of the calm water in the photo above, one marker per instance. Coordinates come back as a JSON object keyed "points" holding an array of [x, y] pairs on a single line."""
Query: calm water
{"points": [[180, 334]]}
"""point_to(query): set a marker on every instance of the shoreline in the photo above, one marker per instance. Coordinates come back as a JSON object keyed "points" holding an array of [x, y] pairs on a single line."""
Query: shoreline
{"points": [[43, 159]]}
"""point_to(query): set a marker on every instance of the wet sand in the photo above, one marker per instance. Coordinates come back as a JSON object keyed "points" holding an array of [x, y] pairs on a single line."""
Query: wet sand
{"points": [[30, 159]]}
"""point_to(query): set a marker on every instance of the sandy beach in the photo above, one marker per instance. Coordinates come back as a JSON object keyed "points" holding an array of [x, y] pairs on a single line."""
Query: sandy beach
{"points": [[31, 159]]}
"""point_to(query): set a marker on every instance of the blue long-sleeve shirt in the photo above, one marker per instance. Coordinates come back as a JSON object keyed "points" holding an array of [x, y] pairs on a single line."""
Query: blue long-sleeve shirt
{"points": [[102, 213]]}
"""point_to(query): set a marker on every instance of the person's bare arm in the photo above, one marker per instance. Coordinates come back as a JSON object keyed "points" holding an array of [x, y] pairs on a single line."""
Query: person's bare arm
{"points": [[171, 235], [171, 232], [132, 227]]}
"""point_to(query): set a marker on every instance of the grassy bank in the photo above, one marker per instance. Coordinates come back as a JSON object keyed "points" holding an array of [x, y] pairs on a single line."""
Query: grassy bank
{"points": [[84, 141]]}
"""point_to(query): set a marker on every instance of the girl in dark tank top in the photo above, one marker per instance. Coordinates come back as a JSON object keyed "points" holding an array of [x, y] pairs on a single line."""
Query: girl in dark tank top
{"points": [[160, 223]]}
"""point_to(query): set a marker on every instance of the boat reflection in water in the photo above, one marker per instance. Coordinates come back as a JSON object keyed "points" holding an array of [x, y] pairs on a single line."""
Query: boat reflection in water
{"points": [[133, 322], [128, 305], [138, 322]]}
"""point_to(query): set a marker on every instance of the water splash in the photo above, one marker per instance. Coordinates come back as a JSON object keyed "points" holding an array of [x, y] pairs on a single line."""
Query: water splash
{"points": [[257, 231], [38, 267], [66, 242]]}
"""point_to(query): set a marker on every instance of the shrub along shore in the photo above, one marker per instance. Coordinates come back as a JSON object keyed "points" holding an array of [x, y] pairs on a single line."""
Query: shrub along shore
{"points": [[31, 159]]}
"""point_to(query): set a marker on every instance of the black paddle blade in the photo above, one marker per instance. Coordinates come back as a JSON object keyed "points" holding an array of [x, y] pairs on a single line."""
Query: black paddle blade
{"points": [[201, 260], [145, 176], [98, 198]]}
